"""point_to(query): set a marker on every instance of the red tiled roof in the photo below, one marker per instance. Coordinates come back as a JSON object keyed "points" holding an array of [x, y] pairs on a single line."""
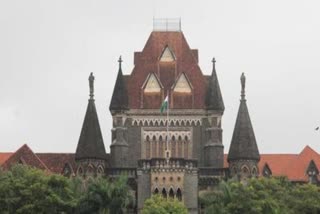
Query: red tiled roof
{"points": [[293, 166], [56, 162], [4, 156]]}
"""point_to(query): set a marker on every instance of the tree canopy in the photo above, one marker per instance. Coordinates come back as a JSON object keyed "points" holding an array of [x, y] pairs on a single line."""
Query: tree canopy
{"points": [[159, 205], [262, 196], [27, 190]]}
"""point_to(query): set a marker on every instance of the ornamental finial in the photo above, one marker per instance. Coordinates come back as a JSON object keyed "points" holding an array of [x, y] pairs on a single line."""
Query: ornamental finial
{"points": [[91, 85], [120, 62], [243, 86]]}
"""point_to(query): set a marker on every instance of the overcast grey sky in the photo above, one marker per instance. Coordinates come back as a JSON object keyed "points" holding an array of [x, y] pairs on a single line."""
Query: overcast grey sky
{"points": [[49, 48]]}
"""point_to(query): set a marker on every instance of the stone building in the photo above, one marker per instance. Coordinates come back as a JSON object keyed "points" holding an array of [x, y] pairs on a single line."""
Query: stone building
{"points": [[177, 153]]}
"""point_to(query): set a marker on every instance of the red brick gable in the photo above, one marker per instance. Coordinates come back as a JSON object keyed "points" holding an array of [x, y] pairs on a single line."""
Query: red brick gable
{"points": [[26, 156], [147, 62]]}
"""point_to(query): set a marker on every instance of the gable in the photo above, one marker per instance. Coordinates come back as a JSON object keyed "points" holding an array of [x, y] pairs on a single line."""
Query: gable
{"points": [[167, 55], [24, 155], [152, 85], [182, 85]]}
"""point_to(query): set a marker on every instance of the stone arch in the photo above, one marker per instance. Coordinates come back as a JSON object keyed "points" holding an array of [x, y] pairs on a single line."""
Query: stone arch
{"points": [[80, 171], [67, 170], [245, 170], [156, 191], [254, 171], [164, 193], [179, 194], [171, 193], [90, 170], [100, 170]]}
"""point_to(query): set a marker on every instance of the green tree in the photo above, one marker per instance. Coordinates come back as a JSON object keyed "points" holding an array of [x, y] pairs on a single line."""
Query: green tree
{"points": [[27, 190], [102, 196], [262, 196], [159, 205]]}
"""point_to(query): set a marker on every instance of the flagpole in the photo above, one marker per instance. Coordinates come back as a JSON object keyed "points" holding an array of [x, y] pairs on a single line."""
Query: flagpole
{"points": [[168, 107]]}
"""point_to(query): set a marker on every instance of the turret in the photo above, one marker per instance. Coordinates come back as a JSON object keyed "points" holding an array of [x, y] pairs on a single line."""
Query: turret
{"points": [[90, 154], [243, 157], [213, 149], [119, 104]]}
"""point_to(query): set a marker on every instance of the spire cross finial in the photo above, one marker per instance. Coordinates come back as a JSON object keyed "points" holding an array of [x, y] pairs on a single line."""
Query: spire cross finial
{"points": [[243, 86], [91, 85], [213, 63], [120, 62]]}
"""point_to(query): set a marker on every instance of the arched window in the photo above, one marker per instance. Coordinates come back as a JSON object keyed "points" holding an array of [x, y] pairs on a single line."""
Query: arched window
{"points": [[254, 171], [245, 171], [156, 191], [154, 147], [80, 171], [186, 144], [164, 193], [179, 194], [67, 170], [148, 147], [161, 147], [90, 170], [100, 170], [171, 193], [180, 147]]}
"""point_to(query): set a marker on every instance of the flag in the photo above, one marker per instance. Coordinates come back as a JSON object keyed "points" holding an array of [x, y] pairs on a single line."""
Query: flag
{"points": [[164, 105]]}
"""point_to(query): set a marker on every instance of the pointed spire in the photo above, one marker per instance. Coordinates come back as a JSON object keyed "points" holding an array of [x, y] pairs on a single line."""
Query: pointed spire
{"points": [[90, 145], [119, 100], [243, 144], [214, 99]]}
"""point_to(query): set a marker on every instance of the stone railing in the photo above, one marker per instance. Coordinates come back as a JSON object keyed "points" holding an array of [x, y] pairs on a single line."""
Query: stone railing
{"points": [[115, 172], [209, 171], [167, 163]]}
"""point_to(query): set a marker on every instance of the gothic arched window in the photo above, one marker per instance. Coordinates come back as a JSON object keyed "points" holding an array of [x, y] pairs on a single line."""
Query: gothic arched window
{"points": [[179, 194], [171, 193]]}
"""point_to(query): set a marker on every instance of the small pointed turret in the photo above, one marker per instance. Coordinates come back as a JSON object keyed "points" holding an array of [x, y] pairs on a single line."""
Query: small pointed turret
{"points": [[214, 99], [90, 145], [119, 100], [243, 144]]}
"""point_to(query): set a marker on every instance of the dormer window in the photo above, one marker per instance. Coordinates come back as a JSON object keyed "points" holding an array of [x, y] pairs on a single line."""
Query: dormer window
{"points": [[266, 172], [152, 84], [167, 55], [312, 172], [182, 85]]}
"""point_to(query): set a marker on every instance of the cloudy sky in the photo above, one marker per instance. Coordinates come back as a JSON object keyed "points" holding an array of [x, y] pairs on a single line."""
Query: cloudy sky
{"points": [[49, 48]]}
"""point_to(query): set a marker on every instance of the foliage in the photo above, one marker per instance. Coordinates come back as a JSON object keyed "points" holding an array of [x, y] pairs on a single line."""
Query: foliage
{"points": [[262, 196], [103, 196], [159, 205], [28, 190]]}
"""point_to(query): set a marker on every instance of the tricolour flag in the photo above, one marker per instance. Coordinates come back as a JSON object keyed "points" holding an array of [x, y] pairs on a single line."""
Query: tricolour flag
{"points": [[164, 105]]}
